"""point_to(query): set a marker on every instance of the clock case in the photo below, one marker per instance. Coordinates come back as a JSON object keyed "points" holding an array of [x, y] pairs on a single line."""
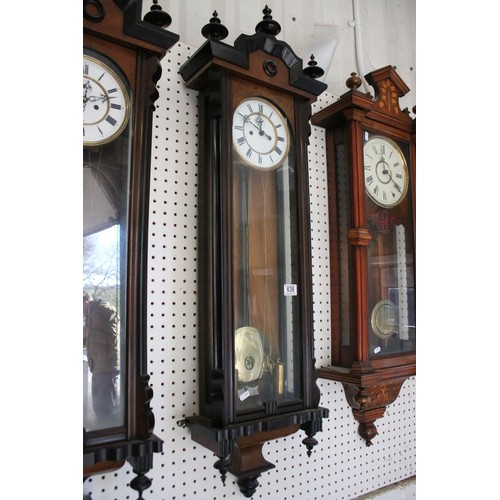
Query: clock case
{"points": [[257, 65], [115, 29], [371, 383]]}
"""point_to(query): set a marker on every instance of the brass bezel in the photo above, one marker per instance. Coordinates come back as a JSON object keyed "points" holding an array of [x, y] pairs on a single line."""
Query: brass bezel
{"points": [[286, 125], [400, 153], [125, 93]]}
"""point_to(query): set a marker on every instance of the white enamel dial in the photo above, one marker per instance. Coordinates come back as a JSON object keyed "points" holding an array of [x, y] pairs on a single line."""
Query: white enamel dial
{"points": [[385, 171], [106, 103], [260, 134]]}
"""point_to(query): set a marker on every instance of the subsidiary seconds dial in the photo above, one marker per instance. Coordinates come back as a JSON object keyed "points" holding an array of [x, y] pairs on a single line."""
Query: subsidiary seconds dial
{"points": [[260, 134], [106, 104], [385, 171]]}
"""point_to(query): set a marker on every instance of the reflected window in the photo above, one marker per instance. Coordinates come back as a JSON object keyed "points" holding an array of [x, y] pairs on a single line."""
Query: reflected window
{"points": [[105, 209]]}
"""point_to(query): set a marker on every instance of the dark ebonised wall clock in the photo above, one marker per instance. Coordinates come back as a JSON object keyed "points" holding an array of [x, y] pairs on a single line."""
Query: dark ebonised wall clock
{"points": [[371, 149], [121, 65], [257, 373]]}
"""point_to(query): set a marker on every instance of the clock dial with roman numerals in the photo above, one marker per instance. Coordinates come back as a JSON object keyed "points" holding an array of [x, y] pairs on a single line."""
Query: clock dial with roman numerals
{"points": [[385, 171], [260, 134], [106, 103]]}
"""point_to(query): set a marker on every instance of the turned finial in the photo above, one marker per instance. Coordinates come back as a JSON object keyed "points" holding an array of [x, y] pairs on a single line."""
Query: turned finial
{"points": [[214, 30], [353, 82], [157, 16], [313, 70], [268, 25]]}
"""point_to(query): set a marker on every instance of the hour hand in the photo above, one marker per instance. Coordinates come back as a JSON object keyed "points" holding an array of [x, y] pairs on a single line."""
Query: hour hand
{"points": [[102, 97]]}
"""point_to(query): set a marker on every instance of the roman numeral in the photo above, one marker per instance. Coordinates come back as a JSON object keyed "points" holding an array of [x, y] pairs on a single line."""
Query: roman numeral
{"points": [[260, 159], [111, 120], [374, 148], [382, 149], [99, 79], [261, 108], [110, 91], [250, 108], [241, 140], [281, 139], [238, 127], [85, 69], [369, 180], [116, 106], [249, 152], [278, 151], [278, 126]]}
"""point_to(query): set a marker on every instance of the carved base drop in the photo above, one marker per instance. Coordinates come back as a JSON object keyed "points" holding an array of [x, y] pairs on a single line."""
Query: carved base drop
{"points": [[247, 461], [367, 429], [368, 404]]}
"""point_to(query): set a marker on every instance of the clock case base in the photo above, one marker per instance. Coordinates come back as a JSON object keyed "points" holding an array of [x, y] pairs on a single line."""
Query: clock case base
{"points": [[370, 385], [239, 446], [369, 391]]}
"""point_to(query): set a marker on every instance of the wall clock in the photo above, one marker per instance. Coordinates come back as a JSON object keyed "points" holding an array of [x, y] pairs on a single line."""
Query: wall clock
{"points": [[106, 101], [257, 376], [371, 146], [121, 64]]}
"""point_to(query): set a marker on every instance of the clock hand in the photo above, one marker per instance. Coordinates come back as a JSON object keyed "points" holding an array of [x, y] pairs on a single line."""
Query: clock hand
{"points": [[103, 97], [387, 171], [246, 119], [86, 88], [260, 121], [259, 128]]}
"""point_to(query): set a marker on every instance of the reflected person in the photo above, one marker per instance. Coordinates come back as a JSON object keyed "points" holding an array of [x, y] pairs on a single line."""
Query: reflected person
{"points": [[101, 325]]}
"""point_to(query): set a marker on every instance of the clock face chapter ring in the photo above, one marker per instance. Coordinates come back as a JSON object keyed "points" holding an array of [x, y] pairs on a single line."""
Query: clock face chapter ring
{"points": [[260, 134], [385, 171], [106, 103]]}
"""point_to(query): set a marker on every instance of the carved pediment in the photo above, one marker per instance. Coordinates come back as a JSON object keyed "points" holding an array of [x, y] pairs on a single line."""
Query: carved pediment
{"points": [[389, 88]]}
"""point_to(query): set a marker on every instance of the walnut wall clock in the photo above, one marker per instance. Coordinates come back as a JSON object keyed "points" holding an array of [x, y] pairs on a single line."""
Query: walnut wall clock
{"points": [[121, 65], [371, 148], [257, 373]]}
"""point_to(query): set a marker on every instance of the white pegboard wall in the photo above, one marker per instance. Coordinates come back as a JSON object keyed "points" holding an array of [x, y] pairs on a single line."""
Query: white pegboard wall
{"points": [[341, 466]]}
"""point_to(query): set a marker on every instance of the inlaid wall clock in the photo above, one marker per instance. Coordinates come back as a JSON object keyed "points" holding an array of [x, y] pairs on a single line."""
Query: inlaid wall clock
{"points": [[257, 373], [121, 64], [371, 148]]}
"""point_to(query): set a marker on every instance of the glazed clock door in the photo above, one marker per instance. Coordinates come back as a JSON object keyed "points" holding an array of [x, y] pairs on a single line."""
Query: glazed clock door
{"points": [[107, 136], [390, 263], [265, 258]]}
